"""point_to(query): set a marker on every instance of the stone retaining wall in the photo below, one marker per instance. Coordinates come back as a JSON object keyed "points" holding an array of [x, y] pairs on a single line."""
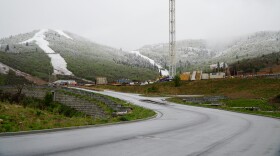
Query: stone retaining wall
{"points": [[81, 105], [204, 99]]}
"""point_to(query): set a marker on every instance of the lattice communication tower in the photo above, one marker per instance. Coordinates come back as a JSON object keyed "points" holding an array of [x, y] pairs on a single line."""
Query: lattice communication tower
{"points": [[172, 39]]}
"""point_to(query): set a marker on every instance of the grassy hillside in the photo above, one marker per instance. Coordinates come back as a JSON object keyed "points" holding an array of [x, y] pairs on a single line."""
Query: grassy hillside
{"points": [[21, 113], [12, 79], [262, 107], [90, 68], [34, 63], [251, 96], [84, 58], [233, 88], [19, 118], [258, 64], [90, 60]]}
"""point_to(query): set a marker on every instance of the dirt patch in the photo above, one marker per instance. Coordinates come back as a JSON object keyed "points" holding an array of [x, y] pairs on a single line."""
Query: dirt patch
{"points": [[241, 94]]}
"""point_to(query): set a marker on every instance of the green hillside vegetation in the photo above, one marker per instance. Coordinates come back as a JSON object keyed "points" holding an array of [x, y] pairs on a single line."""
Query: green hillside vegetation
{"points": [[18, 118], [90, 68], [21, 113], [256, 64], [34, 63], [90, 60], [12, 79], [84, 58]]}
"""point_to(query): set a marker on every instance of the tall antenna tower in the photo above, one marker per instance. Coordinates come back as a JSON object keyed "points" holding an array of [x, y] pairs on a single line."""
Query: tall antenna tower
{"points": [[172, 39]]}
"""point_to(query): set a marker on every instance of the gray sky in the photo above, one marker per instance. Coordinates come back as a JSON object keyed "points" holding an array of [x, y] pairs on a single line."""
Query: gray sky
{"points": [[130, 24]]}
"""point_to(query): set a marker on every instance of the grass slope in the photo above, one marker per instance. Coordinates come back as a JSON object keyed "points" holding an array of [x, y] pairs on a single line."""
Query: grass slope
{"points": [[35, 114], [240, 105], [17, 118], [260, 93], [90, 68], [34, 63], [233, 88], [12, 79], [90, 60], [257, 64]]}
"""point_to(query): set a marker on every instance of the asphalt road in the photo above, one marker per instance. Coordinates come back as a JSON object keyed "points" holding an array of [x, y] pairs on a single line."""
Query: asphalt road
{"points": [[177, 130]]}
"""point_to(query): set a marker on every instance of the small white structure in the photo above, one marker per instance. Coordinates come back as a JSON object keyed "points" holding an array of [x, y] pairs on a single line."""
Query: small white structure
{"points": [[101, 81], [193, 76], [219, 75], [144, 83], [215, 66], [64, 83], [205, 76], [131, 83]]}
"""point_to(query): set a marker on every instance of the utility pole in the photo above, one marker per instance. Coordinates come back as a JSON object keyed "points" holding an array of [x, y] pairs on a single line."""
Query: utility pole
{"points": [[172, 39]]}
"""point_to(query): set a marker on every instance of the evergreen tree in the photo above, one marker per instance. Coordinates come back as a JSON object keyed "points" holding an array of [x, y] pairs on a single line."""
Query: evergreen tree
{"points": [[177, 81], [218, 66], [7, 48]]}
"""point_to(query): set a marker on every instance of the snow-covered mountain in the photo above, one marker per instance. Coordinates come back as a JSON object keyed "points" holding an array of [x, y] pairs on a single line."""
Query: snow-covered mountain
{"points": [[55, 52], [251, 46], [193, 54], [64, 53], [189, 52], [58, 63]]}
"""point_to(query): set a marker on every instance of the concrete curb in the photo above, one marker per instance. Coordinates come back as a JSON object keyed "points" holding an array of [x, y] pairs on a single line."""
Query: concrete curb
{"points": [[74, 128]]}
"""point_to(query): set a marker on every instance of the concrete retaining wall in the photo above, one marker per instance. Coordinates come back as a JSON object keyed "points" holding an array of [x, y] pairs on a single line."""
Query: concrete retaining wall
{"points": [[205, 99]]}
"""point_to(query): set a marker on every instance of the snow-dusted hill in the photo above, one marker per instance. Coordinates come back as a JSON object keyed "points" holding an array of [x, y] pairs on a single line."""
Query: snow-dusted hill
{"points": [[198, 53], [251, 46], [44, 52], [70, 54], [189, 52], [4, 69], [58, 62]]}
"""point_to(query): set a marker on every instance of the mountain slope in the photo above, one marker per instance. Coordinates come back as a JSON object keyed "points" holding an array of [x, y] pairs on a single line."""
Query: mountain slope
{"points": [[189, 52], [9, 76], [193, 54], [70, 54], [34, 62], [58, 63], [265, 64], [254, 45]]}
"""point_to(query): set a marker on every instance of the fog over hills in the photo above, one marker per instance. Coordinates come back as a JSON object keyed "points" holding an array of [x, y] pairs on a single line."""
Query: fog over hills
{"points": [[45, 52], [192, 54]]}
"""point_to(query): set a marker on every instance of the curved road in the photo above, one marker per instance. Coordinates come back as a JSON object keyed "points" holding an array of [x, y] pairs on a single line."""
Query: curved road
{"points": [[177, 130]]}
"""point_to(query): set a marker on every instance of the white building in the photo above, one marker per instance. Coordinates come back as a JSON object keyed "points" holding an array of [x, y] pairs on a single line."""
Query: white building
{"points": [[220, 75], [205, 76]]}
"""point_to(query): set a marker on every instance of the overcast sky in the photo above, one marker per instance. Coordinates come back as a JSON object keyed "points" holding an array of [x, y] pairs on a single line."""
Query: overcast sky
{"points": [[130, 24]]}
